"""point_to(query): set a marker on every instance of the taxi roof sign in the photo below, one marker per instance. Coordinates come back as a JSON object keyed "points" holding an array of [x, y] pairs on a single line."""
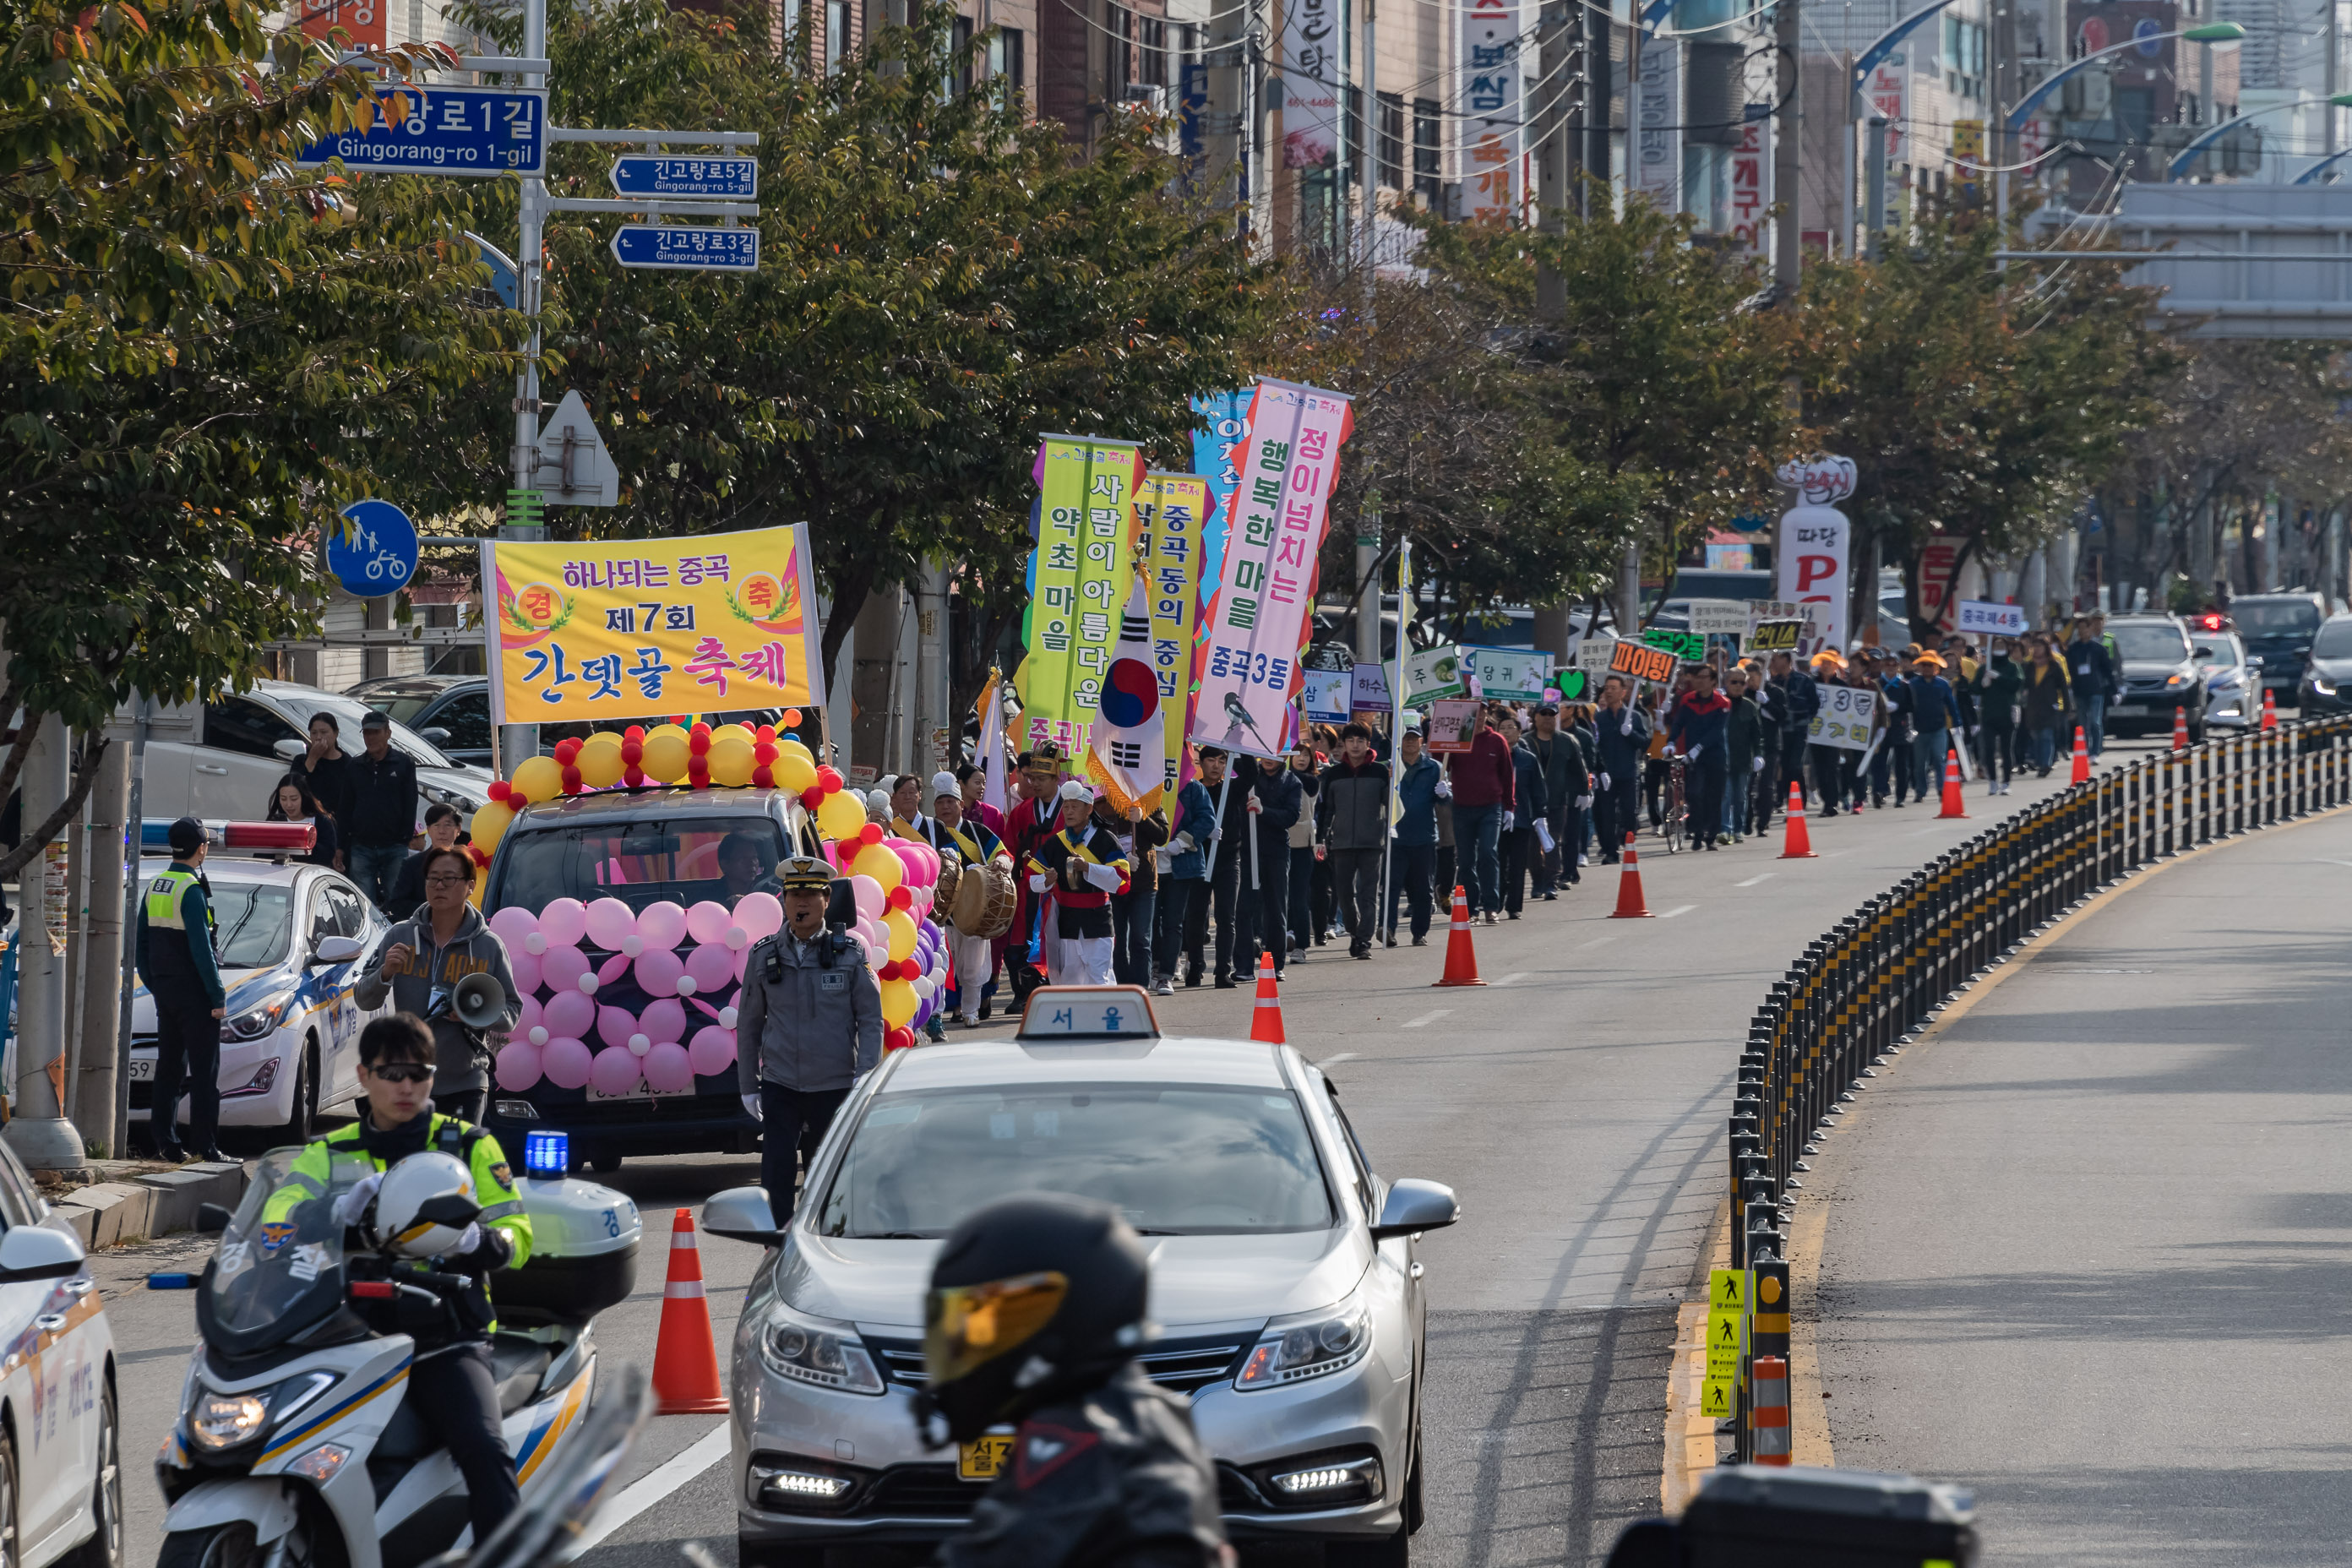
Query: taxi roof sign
{"points": [[1088, 1012]]}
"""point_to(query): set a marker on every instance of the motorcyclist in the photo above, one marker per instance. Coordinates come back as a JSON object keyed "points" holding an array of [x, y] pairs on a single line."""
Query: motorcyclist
{"points": [[1035, 1317], [450, 1385]]}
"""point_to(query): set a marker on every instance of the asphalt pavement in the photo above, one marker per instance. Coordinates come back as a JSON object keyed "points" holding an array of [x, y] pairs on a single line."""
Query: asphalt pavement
{"points": [[1575, 1102], [2088, 1247]]}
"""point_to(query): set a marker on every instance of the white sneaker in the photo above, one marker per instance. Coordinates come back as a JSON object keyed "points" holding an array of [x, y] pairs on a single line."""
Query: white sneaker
{"points": [[1584, 860], [1163, 986]]}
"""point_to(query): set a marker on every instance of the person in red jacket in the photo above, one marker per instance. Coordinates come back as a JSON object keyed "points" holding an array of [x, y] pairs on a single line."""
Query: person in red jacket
{"points": [[1484, 788]]}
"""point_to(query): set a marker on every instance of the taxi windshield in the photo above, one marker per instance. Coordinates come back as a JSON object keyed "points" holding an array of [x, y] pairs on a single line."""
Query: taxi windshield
{"points": [[282, 1237], [643, 861], [1175, 1159]]}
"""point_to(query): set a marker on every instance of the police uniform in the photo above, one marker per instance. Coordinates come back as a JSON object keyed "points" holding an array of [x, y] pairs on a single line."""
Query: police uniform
{"points": [[1080, 868], [808, 1026], [177, 963], [450, 1387]]}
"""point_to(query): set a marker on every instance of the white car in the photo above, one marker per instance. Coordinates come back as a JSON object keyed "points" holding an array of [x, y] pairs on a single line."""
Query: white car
{"points": [[289, 1043], [1288, 1303], [60, 1435], [223, 759]]}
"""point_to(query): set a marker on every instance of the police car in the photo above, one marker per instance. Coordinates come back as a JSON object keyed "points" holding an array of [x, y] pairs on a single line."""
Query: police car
{"points": [[290, 1039]]}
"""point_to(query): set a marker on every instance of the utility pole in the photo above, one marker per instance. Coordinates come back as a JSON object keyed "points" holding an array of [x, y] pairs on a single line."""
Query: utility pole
{"points": [[1788, 157], [1367, 586], [2327, 81], [1553, 161], [39, 1131], [1878, 208]]}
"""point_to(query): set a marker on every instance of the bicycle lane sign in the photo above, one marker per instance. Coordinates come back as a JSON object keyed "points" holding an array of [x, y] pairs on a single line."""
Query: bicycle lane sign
{"points": [[375, 554]]}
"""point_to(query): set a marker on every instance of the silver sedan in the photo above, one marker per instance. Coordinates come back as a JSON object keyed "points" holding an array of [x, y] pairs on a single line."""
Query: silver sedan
{"points": [[1287, 1301]]}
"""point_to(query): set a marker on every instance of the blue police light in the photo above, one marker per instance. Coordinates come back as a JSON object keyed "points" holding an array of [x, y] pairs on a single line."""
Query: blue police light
{"points": [[170, 1281], [547, 1154]]}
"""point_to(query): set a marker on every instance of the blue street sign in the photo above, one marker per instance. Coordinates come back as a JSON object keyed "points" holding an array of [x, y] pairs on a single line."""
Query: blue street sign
{"points": [[446, 131], [503, 281], [377, 556], [686, 250], [639, 174]]}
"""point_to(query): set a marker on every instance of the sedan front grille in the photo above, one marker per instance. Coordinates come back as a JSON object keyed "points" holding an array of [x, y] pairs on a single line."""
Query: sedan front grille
{"points": [[1180, 1366]]}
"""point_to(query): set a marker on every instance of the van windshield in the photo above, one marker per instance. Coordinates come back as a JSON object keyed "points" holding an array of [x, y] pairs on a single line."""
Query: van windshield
{"points": [[685, 860]]}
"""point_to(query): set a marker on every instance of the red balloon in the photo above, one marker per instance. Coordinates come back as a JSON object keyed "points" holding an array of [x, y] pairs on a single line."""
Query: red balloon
{"points": [[765, 732], [634, 776], [500, 789], [900, 898], [517, 800], [633, 751], [898, 1039], [889, 970], [828, 779], [870, 833], [763, 779], [573, 781], [567, 751], [633, 732], [765, 752], [812, 796], [699, 738]]}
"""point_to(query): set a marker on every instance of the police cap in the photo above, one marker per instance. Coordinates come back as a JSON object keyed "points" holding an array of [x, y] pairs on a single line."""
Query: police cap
{"points": [[805, 874], [186, 835]]}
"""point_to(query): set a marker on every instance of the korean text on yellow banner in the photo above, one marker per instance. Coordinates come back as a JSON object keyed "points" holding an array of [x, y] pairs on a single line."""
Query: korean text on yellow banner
{"points": [[1171, 514], [640, 628], [1078, 577], [1258, 622]]}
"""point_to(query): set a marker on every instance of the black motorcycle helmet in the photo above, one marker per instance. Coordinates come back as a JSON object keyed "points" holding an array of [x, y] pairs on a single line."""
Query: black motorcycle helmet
{"points": [[1032, 1298]]}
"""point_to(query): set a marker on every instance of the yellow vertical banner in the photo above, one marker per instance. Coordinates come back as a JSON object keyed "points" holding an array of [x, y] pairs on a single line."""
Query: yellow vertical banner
{"points": [[1087, 487], [1171, 518]]}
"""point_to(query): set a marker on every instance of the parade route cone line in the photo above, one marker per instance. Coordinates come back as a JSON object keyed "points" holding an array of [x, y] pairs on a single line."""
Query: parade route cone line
{"points": [[2180, 729], [686, 1360], [1265, 1017], [2083, 757], [1630, 906], [1953, 806], [1461, 958], [1797, 840]]}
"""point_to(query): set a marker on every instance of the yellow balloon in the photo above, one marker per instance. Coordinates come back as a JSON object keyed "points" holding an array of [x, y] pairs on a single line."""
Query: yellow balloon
{"points": [[665, 753], [881, 863], [791, 749], [730, 757], [795, 774], [724, 731], [899, 1003], [901, 927], [599, 761], [489, 825], [540, 778], [841, 816]]}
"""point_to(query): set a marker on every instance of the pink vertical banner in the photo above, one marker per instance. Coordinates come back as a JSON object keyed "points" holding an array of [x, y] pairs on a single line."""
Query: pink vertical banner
{"points": [[1289, 465]]}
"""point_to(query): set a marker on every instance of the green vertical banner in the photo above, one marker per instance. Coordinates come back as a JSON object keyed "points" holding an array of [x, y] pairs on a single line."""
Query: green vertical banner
{"points": [[1087, 487], [1169, 522]]}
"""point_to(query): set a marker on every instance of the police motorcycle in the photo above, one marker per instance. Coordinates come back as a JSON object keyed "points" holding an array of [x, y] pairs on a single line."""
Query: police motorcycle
{"points": [[295, 1447]]}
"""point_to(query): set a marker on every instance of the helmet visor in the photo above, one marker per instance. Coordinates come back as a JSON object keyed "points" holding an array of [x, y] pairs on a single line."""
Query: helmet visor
{"points": [[967, 1326]]}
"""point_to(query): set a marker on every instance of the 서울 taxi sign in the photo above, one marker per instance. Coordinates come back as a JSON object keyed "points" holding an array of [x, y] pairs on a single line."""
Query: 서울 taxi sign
{"points": [[1088, 1012]]}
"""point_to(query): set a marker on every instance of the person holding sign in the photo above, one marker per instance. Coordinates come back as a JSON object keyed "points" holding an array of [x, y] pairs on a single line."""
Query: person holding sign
{"points": [[1624, 743]]}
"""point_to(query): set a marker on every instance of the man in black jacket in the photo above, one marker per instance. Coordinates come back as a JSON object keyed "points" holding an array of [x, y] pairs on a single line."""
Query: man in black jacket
{"points": [[378, 816], [1355, 812], [1275, 799], [1797, 704], [1227, 845]]}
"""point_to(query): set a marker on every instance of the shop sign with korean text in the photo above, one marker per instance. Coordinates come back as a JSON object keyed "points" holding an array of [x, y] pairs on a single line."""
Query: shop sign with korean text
{"points": [[1169, 518], [1086, 493], [644, 628]]}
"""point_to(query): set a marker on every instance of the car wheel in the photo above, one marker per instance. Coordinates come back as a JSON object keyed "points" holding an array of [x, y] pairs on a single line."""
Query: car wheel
{"points": [[605, 1165], [750, 1553], [11, 1520], [1374, 1551], [222, 1546], [305, 1114], [104, 1547]]}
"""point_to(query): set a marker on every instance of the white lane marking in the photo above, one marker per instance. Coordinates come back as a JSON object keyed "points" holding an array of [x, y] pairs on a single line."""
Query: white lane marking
{"points": [[650, 1489], [1596, 941], [2324, 860], [1753, 880], [1426, 1018], [1513, 978], [1677, 910], [1342, 1057]]}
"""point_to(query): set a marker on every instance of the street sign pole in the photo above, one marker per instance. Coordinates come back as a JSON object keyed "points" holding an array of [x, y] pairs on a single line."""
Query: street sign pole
{"points": [[517, 742]]}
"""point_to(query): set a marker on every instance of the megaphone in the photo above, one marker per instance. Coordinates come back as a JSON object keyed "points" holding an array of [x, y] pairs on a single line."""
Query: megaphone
{"points": [[479, 1002]]}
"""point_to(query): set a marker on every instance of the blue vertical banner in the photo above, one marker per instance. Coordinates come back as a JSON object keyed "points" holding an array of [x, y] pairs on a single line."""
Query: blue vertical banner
{"points": [[1216, 457]]}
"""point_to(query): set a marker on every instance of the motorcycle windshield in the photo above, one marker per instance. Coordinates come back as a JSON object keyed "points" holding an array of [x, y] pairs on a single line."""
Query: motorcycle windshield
{"points": [[281, 1241]]}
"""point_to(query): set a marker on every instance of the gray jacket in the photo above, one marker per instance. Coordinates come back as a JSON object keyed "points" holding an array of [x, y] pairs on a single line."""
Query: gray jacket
{"points": [[813, 1025], [431, 971]]}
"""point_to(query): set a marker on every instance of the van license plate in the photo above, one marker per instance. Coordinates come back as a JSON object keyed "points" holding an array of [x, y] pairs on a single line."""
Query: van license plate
{"points": [[985, 1457], [142, 1072]]}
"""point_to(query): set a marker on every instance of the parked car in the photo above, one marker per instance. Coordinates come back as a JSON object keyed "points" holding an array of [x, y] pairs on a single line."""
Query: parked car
{"points": [[1288, 1302], [289, 1042], [2328, 672], [453, 712], [2278, 629], [60, 1418], [2159, 677], [2233, 692]]}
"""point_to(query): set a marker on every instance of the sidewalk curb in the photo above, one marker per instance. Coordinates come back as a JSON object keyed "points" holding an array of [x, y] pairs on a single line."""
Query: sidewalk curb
{"points": [[111, 1214]]}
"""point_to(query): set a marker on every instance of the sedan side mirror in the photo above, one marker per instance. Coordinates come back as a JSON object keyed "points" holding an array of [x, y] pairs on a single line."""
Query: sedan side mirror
{"points": [[37, 1252], [336, 949], [2254, 661], [742, 1214], [1414, 1205], [289, 750], [436, 734]]}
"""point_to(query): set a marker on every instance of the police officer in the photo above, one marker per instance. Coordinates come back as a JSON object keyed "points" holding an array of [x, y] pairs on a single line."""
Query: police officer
{"points": [[177, 964], [809, 1026], [1034, 1316]]}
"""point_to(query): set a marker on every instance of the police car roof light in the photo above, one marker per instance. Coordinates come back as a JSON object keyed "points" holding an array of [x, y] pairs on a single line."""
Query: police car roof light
{"points": [[1088, 1012], [170, 1281], [256, 837], [547, 1154]]}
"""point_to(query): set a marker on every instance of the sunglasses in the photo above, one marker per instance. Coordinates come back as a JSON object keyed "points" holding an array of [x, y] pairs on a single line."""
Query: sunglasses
{"points": [[446, 882], [401, 1072]]}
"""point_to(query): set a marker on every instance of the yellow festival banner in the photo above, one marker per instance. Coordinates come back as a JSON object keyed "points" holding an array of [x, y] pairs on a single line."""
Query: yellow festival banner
{"points": [[643, 629]]}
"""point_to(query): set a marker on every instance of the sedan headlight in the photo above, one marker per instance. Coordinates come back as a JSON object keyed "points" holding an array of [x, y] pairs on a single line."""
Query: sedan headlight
{"points": [[1310, 1344], [255, 1022], [224, 1420], [456, 800], [2322, 685], [2172, 680], [818, 1351]]}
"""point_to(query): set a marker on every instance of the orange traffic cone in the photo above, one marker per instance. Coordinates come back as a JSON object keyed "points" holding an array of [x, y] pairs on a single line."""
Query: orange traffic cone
{"points": [[2270, 711], [1952, 806], [1461, 958], [1630, 903], [1797, 842], [1266, 1018], [2180, 729], [2082, 758], [686, 1362]]}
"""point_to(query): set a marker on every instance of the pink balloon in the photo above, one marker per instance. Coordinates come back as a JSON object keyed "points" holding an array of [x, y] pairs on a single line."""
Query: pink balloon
{"points": [[563, 922], [615, 1071], [513, 923], [869, 897], [712, 1050], [518, 1066], [662, 925], [567, 1062], [562, 968], [612, 969], [569, 1013], [760, 914], [742, 959], [708, 920], [664, 1020], [711, 966], [668, 1069], [530, 1015], [913, 861], [528, 972], [609, 923], [658, 972], [615, 1025]]}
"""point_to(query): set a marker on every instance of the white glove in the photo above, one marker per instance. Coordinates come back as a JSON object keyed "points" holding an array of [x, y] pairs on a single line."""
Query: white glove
{"points": [[1508, 817], [469, 1241], [354, 1202], [1255, 805], [1756, 764], [1584, 803], [1445, 788], [1625, 725], [1182, 843], [1041, 880], [755, 1107], [1103, 877], [1604, 781], [1691, 755]]}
